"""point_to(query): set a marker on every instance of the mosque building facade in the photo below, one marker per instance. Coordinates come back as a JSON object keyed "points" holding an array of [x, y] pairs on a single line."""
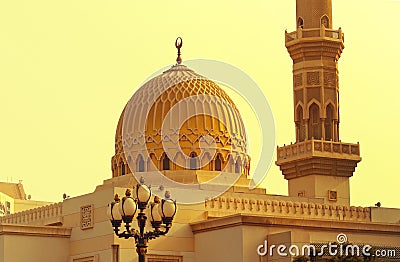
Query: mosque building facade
{"points": [[208, 149]]}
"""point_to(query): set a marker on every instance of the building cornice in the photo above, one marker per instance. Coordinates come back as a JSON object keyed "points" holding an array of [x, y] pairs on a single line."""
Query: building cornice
{"points": [[29, 230], [292, 223]]}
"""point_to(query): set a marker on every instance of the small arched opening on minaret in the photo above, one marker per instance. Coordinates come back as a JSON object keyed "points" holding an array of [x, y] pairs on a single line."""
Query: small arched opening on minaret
{"points": [[329, 123], [300, 128], [325, 21], [314, 124], [123, 169], [300, 22]]}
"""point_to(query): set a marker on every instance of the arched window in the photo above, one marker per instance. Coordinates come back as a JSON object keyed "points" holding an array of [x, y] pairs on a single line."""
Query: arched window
{"points": [[237, 166], [123, 171], [140, 164], [165, 163], [193, 161], [218, 163], [325, 21], [300, 22], [300, 129], [314, 126], [329, 122]]}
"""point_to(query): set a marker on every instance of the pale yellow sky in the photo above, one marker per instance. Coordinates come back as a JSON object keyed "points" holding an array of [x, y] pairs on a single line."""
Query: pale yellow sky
{"points": [[68, 68]]}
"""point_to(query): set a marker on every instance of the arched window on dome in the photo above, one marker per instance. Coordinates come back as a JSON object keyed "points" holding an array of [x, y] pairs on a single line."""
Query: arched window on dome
{"points": [[193, 161], [165, 162], [123, 171], [140, 164], [218, 163], [238, 165]]}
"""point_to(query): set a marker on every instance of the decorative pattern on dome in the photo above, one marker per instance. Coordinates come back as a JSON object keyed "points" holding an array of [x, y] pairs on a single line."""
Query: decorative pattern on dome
{"points": [[175, 116]]}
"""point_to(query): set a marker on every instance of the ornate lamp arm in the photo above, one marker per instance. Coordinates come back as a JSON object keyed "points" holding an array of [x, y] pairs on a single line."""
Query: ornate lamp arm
{"points": [[127, 233], [156, 233]]}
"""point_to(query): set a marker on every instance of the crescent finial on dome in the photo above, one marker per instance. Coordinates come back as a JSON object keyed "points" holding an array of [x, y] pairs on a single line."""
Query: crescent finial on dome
{"points": [[178, 45]]}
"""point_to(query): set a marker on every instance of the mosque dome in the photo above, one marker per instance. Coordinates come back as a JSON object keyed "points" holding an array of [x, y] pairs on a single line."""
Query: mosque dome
{"points": [[180, 120]]}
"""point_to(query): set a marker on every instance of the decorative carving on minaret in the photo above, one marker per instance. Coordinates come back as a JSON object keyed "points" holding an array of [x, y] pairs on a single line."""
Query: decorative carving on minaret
{"points": [[313, 78], [330, 79], [297, 80]]}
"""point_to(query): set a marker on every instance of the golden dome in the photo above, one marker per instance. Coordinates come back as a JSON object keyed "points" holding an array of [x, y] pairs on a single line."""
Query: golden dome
{"points": [[189, 116]]}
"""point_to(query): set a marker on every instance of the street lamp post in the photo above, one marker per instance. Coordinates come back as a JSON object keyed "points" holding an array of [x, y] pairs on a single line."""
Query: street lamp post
{"points": [[123, 210]]}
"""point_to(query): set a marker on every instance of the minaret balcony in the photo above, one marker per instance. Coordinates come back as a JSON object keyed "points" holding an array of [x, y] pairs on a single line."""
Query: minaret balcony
{"points": [[318, 148], [318, 157], [313, 33]]}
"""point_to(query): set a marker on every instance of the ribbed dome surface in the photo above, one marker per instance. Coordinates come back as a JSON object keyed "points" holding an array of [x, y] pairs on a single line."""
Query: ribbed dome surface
{"points": [[196, 113]]}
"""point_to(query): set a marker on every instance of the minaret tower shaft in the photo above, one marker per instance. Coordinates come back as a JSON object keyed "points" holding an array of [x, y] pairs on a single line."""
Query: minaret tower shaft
{"points": [[318, 165]]}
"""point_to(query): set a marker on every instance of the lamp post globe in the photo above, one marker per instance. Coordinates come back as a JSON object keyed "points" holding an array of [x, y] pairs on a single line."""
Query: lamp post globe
{"points": [[127, 207], [155, 216], [113, 212], [167, 209], [143, 195]]}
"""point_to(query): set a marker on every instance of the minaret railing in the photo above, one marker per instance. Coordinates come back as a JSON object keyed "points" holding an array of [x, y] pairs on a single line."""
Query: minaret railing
{"points": [[314, 32]]}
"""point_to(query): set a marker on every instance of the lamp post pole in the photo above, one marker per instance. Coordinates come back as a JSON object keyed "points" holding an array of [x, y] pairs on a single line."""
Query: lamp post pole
{"points": [[161, 215]]}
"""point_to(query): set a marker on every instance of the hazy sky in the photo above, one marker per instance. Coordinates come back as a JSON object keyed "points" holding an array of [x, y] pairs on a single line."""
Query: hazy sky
{"points": [[67, 68]]}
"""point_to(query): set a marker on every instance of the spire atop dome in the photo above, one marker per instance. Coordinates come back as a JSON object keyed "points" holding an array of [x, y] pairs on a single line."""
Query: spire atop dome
{"points": [[178, 45]]}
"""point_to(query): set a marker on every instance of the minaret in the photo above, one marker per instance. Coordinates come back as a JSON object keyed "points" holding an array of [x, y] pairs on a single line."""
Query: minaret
{"points": [[318, 165]]}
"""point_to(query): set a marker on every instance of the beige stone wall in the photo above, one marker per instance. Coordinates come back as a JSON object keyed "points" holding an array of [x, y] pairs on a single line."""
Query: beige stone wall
{"points": [[385, 215], [317, 186], [21, 243], [34, 249], [92, 236], [224, 244]]}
